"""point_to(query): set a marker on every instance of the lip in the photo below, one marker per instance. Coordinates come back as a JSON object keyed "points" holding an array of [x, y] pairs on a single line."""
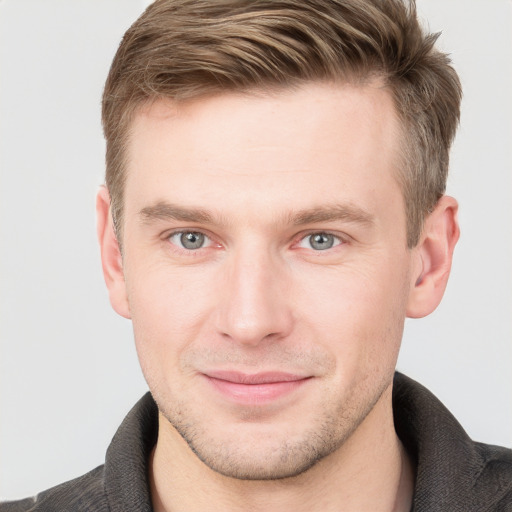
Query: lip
{"points": [[255, 389]]}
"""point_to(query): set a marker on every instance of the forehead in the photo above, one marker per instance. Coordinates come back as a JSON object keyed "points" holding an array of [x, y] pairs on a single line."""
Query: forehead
{"points": [[319, 142], [318, 106]]}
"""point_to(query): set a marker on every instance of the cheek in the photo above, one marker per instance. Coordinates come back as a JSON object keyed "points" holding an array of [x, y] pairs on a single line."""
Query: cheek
{"points": [[359, 311], [166, 297], [168, 309]]}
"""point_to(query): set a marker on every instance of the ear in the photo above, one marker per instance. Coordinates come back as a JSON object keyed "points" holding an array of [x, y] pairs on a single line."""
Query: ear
{"points": [[433, 257], [111, 259]]}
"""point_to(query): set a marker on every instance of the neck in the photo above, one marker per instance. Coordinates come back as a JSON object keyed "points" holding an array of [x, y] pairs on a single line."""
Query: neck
{"points": [[370, 471]]}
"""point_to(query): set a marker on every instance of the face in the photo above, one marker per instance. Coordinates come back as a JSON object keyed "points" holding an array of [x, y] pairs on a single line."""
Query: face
{"points": [[266, 270]]}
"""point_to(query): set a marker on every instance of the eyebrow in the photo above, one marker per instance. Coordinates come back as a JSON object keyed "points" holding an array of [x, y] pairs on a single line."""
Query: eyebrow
{"points": [[331, 213], [325, 213], [167, 211]]}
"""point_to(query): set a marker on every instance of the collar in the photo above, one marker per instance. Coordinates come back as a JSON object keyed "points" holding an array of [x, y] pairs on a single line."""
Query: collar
{"points": [[452, 472]]}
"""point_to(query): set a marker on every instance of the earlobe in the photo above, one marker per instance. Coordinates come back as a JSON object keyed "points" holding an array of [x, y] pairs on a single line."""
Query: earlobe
{"points": [[111, 259], [433, 257]]}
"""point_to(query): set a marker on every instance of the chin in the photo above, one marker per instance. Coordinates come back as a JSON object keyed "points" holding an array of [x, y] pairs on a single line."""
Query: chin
{"points": [[262, 452], [287, 460]]}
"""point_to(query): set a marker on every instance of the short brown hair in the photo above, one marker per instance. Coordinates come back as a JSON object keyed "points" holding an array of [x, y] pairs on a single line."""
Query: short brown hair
{"points": [[182, 49]]}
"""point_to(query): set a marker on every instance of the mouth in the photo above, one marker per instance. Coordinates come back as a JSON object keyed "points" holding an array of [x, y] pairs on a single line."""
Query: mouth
{"points": [[255, 389]]}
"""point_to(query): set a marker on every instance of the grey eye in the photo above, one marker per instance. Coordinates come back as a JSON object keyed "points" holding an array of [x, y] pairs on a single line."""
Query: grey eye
{"points": [[189, 240], [320, 241]]}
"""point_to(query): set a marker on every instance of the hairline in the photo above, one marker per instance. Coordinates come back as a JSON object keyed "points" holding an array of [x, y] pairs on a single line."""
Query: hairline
{"points": [[404, 152]]}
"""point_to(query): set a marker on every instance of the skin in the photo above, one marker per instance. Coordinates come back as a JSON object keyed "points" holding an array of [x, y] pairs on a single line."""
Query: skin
{"points": [[258, 175]]}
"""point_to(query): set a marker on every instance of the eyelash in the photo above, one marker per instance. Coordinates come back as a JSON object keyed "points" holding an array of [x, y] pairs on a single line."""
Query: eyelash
{"points": [[182, 232], [338, 240]]}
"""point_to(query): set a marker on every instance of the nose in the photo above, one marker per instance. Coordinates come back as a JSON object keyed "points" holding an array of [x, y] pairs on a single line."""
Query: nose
{"points": [[254, 305]]}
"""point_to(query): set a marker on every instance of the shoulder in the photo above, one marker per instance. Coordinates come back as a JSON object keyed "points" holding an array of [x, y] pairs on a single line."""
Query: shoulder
{"points": [[83, 493], [452, 471], [120, 484], [494, 478]]}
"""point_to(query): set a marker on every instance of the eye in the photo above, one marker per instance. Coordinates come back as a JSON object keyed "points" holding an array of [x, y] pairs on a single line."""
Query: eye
{"points": [[320, 241], [190, 240]]}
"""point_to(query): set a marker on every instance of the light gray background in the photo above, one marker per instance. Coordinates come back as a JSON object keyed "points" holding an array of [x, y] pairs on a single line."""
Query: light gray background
{"points": [[68, 366]]}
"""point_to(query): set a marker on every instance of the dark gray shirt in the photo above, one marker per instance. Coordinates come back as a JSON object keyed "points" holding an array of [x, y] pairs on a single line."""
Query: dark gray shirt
{"points": [[453, 473]]}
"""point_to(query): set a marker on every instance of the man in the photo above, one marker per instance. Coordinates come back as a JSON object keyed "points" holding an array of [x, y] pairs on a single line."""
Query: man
{"points": [[274, 210]]}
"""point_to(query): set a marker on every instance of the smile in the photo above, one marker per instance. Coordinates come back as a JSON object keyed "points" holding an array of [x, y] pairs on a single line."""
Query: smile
{"points": [[255, 389]]}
